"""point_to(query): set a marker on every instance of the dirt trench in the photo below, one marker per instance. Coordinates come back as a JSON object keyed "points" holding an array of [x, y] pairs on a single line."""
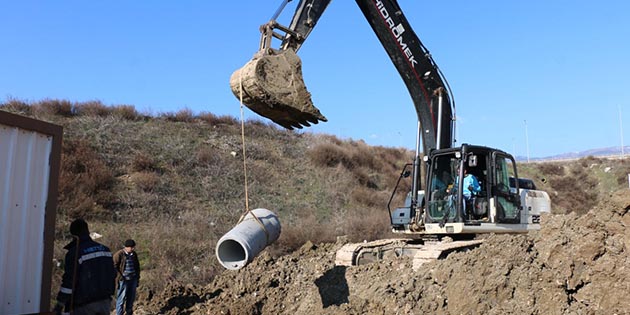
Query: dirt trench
{"points": [[574, 265]]}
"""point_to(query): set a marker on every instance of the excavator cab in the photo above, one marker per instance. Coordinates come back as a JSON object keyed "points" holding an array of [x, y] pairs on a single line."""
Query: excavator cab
{"points": [[491, 200], [446, 201]]}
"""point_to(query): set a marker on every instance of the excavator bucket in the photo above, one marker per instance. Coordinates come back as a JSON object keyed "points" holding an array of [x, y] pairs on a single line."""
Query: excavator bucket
{"points": [[272, 86]]}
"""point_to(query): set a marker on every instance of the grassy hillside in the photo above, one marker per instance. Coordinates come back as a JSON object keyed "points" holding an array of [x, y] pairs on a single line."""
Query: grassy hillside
{"points": [[577, 186], [175, 183]]}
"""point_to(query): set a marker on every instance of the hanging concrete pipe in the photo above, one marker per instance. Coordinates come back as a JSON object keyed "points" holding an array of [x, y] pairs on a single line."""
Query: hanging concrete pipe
{"points": [[246, 240]]}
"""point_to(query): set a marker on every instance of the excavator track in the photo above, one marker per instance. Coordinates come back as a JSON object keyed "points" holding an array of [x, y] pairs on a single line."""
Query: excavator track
{"points": [[354, 254]]}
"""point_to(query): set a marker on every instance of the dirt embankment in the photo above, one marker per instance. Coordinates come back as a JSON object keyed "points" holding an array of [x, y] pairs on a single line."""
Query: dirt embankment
{"points": [[574, 265]]}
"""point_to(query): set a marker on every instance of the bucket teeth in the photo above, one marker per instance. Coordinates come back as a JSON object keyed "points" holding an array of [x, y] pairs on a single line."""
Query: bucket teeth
{"points": [[272, 86]]}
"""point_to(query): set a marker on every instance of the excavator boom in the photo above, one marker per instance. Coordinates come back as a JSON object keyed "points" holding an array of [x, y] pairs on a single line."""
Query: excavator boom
{"points": [[272, 85]]}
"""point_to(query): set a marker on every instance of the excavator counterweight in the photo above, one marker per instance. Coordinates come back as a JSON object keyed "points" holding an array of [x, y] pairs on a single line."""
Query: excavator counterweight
{"points": [[271, 84]]}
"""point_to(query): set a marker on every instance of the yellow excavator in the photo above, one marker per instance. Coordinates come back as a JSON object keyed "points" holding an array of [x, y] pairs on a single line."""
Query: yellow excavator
{"points": [[447, 213]]}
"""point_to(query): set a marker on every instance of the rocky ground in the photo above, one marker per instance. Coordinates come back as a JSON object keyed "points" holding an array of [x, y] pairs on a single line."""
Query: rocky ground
{"points": [[574, 265]]}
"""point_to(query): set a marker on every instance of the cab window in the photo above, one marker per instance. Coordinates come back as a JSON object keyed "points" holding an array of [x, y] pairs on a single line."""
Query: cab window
{"points": [[507, 203]]}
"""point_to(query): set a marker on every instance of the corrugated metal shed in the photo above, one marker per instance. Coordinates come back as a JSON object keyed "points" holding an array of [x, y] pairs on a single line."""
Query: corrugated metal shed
{"points": [[30, 153]]}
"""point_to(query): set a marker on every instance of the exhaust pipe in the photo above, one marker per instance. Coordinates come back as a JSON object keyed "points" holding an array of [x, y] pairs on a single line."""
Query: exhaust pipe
{"points": [[246, 240]]}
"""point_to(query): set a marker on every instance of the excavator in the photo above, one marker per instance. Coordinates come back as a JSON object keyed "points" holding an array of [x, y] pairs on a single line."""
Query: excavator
{"points": [[447, 214]]}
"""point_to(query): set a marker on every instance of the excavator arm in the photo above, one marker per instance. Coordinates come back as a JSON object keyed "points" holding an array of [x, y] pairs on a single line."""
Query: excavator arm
{"points": [[417, 69], [272, 84], [306, 16]]}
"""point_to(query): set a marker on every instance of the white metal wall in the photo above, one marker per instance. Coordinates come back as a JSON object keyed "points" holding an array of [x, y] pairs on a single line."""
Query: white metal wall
{"points": [[24, 180]]}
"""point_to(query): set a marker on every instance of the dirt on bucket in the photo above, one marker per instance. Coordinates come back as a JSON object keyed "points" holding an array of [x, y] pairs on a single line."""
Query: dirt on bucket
{"points": [[271, 84]]}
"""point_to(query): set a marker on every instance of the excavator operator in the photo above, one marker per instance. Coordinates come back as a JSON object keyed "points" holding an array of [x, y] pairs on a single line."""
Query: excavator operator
{"points": [[471, 188]]}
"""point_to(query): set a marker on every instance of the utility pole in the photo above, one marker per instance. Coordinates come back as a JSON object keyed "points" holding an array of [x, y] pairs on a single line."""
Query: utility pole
{"points": [[621, 131], [527, 141]]}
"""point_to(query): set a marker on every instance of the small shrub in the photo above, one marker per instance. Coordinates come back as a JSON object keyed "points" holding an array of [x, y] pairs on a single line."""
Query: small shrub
{"points": [[143, 162], [183, 115], [328, 155], [257, 123], [369, 197], [295, 235], [363, 156], [206, 155], [367, 224], [549, 169], [85, 181], [93, 108], [589, 160], [258, 151], [16, 106], [363, 177], [255, 128], [126, 112], [576, 192], [213, 119], [146, 181], [56, 107], [622, 173], [332, 139]]}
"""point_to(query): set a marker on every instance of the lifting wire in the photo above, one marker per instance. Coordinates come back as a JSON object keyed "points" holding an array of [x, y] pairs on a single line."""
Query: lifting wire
{"points": [[247, 210]]}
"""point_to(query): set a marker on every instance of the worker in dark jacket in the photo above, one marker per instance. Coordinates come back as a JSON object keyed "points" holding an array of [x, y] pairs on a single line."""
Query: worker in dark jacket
{"points": [[88, 280], [127, 268]]}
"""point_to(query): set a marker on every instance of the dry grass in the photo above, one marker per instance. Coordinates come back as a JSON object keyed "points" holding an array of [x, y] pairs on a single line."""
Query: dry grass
{"points": [[367, 224], [572, 187], [145, 181], [143, 162], [551, 169], [622, 171], [306, 229], [183, 115], [62, 108], [328, 154], [175, 183], [85, 182], [215, 120], [367, 164], [94, 108]]}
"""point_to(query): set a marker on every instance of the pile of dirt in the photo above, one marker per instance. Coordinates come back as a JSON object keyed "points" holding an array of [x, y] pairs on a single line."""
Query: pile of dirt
{"points": [[574, 265]]}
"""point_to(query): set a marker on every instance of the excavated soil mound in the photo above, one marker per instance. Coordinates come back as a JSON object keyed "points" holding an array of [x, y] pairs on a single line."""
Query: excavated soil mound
{"points": [[574, 265]]}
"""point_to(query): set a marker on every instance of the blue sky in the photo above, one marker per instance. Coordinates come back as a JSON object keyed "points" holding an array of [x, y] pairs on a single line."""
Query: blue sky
{"points": [[560, 66]]}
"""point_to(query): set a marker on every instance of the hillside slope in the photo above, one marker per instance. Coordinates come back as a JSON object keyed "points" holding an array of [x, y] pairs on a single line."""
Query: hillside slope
{"points": [[175, 183]]}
